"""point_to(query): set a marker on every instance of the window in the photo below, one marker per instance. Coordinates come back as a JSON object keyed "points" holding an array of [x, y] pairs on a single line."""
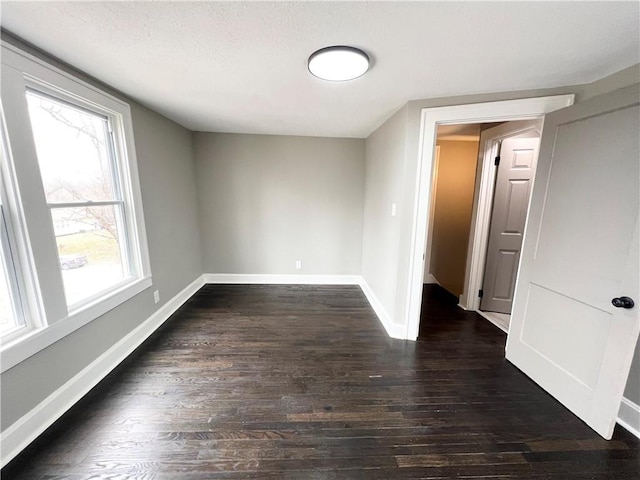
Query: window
{"points": [[11, 312], [83, 190], [83, 248], [18, 312]]}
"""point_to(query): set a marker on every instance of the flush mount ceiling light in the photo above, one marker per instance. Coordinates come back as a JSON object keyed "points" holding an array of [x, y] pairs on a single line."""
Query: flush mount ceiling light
{"points": [[338, 63]]}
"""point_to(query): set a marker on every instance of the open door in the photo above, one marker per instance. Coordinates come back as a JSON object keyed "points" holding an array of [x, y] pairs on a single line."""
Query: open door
{"points": [[517, 165], [573, 326]]}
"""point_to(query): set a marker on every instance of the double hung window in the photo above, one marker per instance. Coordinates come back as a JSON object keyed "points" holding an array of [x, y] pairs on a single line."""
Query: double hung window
{"points": [[73, 238], [82, 187]]}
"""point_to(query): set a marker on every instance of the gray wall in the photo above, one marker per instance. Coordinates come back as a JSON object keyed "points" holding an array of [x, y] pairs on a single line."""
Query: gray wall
{"points": [[167, 178], [385, 154], [632, 391], [256, 195], [267, 201], [391, 163], [389, 283]]}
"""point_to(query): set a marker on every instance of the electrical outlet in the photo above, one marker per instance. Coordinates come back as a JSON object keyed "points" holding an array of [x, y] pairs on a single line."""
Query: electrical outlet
{"points": [[393, 209], [298, 264], [156, 296]]}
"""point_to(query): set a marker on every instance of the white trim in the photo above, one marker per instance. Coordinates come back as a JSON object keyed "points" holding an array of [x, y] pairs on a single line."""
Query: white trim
{"points": [[431, 117], [23, 60], [21, 433], [431, 279], [490, 319], [629, 416], [34, 341], [283, 279], [393, 329], [26, 429]]}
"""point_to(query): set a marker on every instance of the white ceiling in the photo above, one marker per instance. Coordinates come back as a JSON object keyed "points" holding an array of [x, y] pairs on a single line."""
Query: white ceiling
{"points": [[241, 66]]}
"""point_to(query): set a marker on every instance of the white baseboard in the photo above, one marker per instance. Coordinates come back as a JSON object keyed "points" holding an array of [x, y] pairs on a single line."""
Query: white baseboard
{"points": [[269, 279], [393, 329], [629, 416], [492, 320], [20, 434], [431, 279]]}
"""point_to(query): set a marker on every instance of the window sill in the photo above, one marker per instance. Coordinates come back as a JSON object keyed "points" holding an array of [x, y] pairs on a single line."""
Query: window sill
{"points": [[38, 339]]}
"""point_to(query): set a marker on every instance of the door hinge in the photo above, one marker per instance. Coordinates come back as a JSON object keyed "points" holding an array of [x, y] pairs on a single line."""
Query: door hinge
{"points": [[497, 161], [480, 293]]}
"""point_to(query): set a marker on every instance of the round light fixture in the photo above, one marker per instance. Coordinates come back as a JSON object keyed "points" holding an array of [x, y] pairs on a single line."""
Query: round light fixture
{"points": [[338, 63]]}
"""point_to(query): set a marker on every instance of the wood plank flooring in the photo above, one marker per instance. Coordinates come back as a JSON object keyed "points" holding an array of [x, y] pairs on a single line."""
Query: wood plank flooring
{"points": [[301, 382]]}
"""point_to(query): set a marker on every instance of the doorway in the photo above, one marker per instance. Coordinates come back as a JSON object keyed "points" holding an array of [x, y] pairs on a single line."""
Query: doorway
{"points": [[431, 118], [454, 177], [507, 161], [481, 182], [551, 292]]}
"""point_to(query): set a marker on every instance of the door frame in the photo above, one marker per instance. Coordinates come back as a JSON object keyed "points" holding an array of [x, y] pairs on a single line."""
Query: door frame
{"points": [[508, 110], [483, 207]]}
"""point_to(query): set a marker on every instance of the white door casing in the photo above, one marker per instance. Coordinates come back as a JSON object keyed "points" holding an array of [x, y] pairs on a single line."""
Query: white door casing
{"points": [[580, 251], [518, 157], [501, 111]]}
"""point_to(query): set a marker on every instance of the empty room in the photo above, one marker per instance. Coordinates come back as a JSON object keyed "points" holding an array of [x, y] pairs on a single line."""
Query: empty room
{"points": [[320, 240]]}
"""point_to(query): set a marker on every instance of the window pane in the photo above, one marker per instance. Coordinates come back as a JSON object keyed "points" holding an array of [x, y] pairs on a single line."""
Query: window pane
{"points": [[90, 249], [73, 151], [11, 318], [8, 320]]}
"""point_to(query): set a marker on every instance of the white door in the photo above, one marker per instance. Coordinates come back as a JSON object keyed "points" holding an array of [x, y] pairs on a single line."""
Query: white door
{"points": [[518, 157], [580, 253]]}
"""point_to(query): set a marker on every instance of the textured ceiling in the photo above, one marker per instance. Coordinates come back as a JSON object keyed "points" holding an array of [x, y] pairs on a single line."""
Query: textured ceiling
{"points": [[241, 66]]}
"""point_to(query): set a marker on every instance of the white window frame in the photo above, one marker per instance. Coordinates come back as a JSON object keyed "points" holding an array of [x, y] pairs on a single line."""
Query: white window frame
{"points": [[15, 257], [49, 318], [10, 272], [20, 259]]}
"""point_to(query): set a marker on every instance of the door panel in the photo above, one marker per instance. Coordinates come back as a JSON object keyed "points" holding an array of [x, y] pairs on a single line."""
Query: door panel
{"points": [[517, 203], [579, 190], [512, 192], [505, 283], [544, 328], [580, 251]]}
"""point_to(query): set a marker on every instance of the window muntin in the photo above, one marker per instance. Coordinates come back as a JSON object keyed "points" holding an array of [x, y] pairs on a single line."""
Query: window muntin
{"points": [[79, 171]]}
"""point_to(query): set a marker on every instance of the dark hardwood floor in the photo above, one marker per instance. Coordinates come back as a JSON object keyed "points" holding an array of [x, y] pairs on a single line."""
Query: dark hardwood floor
{"points": [[301, 382]]}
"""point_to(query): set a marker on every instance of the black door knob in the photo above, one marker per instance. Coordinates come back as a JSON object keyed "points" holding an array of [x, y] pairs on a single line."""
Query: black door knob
{"points": [[622, 302]]}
